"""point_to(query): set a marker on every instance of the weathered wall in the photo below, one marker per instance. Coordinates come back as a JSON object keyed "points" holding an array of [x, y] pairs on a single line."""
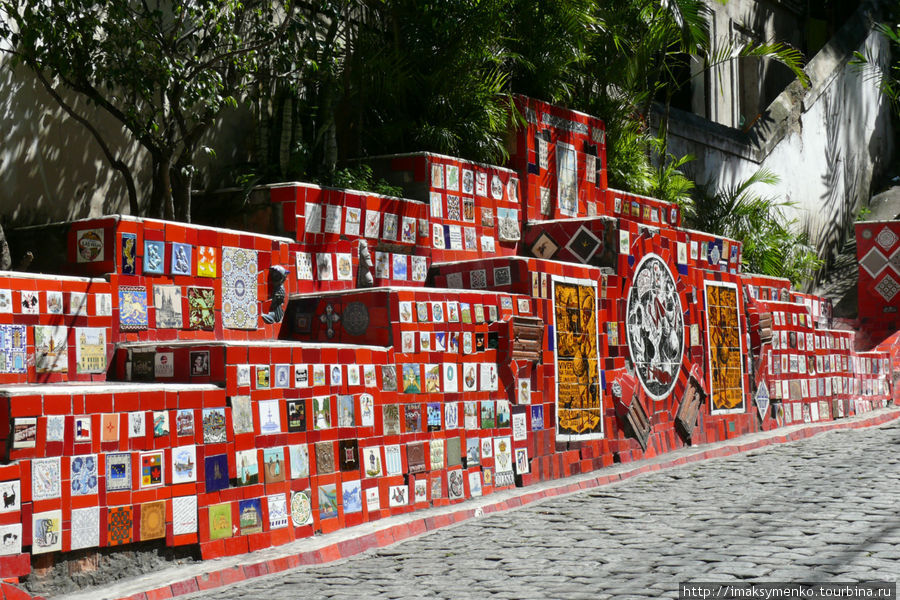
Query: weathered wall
{"points": [[51, 169], [826, 142]]}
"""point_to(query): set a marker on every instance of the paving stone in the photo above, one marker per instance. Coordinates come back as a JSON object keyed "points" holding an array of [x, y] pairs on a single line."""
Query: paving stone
{"points": [[815, 510]]}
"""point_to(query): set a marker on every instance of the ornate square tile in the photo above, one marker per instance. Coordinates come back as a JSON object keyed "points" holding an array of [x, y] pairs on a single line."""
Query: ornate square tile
{"points": [[85, 527], [132, 308], [873, 262], [84, 477], [887, 288], [119, 524], [118, 471], [201, 308], [153, 520], [886, 238], [239, 288]]}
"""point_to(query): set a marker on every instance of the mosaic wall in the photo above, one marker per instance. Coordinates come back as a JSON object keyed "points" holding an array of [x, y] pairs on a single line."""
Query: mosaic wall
{"points": [[497, 328]]}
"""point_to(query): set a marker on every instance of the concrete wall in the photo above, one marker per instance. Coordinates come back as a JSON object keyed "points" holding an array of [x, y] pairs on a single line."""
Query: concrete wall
{"points": [[826, 142], [51, 168]]}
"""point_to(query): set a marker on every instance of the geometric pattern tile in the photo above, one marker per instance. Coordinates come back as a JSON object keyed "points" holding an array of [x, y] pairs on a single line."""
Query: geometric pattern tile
{"points": [[895, 260], [874, 262], [887, 288], [85, 527], [119, 526], [886, 238], [239, 308]]}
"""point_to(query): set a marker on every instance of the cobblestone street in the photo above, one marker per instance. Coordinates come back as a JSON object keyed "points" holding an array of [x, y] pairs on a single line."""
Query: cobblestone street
{"points": [[817, 510]]}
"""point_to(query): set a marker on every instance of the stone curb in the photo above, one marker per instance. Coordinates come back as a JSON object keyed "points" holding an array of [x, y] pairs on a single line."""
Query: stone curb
{"points": [[382, 534]]}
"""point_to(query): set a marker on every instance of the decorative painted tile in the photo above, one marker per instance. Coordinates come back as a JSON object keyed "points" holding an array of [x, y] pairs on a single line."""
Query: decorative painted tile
{"points": [[181, 259], [132, 308], [89, 245], [84, 477], [301, 508], [206, 261], [184, 422], [393, 463], [262, 377], [90, 349], [118, 471], [46, 532], [328, 501], [137, 424], [348, 454], [241, 414], [247, 467], [282, 377], [167, 301], [12, 539], [51, 349], [154, 257], [296, 415], [351, 494], [324, 458], [239, 289], [216, 472], [153, 520], [273, 464], [103, 304], [24, 432], [220, 521], [161, 423], [184, 464], [251, 516], [129, 253], [278, 512], [119, 526], [45, 478], [299, 457], [85, 528], [269, 417], [344, 264], [152, 469], [201, 308], [184, 515], [29, 302], [54, 303], [12, 496], [6, 301], [398, 495], [214, 426], [321, 407]]}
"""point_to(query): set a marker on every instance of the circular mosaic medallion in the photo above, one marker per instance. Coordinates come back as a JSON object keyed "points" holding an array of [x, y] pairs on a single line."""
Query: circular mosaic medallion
{"points": [[356, 318], [655, 326], [301, 509]]}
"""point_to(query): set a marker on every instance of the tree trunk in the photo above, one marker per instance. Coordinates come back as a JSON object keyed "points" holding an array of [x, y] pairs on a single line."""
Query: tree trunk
{"points": [[5, 259], [181, 176], [161, 192]]}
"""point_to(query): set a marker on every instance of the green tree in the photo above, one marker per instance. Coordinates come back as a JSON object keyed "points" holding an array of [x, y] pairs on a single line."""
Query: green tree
{"points": [[164, 69]]}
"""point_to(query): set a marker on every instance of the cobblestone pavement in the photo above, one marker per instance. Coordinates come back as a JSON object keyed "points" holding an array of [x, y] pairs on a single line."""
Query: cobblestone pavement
{"points": [[819, 510]]}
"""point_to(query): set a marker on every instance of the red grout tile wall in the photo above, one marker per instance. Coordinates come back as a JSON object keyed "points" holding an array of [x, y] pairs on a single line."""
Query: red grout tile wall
{"points": [[511, 335]]}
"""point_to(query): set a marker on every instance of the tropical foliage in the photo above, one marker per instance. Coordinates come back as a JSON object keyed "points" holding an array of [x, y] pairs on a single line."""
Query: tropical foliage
{"points": [[771, 244], [332, 80]]}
